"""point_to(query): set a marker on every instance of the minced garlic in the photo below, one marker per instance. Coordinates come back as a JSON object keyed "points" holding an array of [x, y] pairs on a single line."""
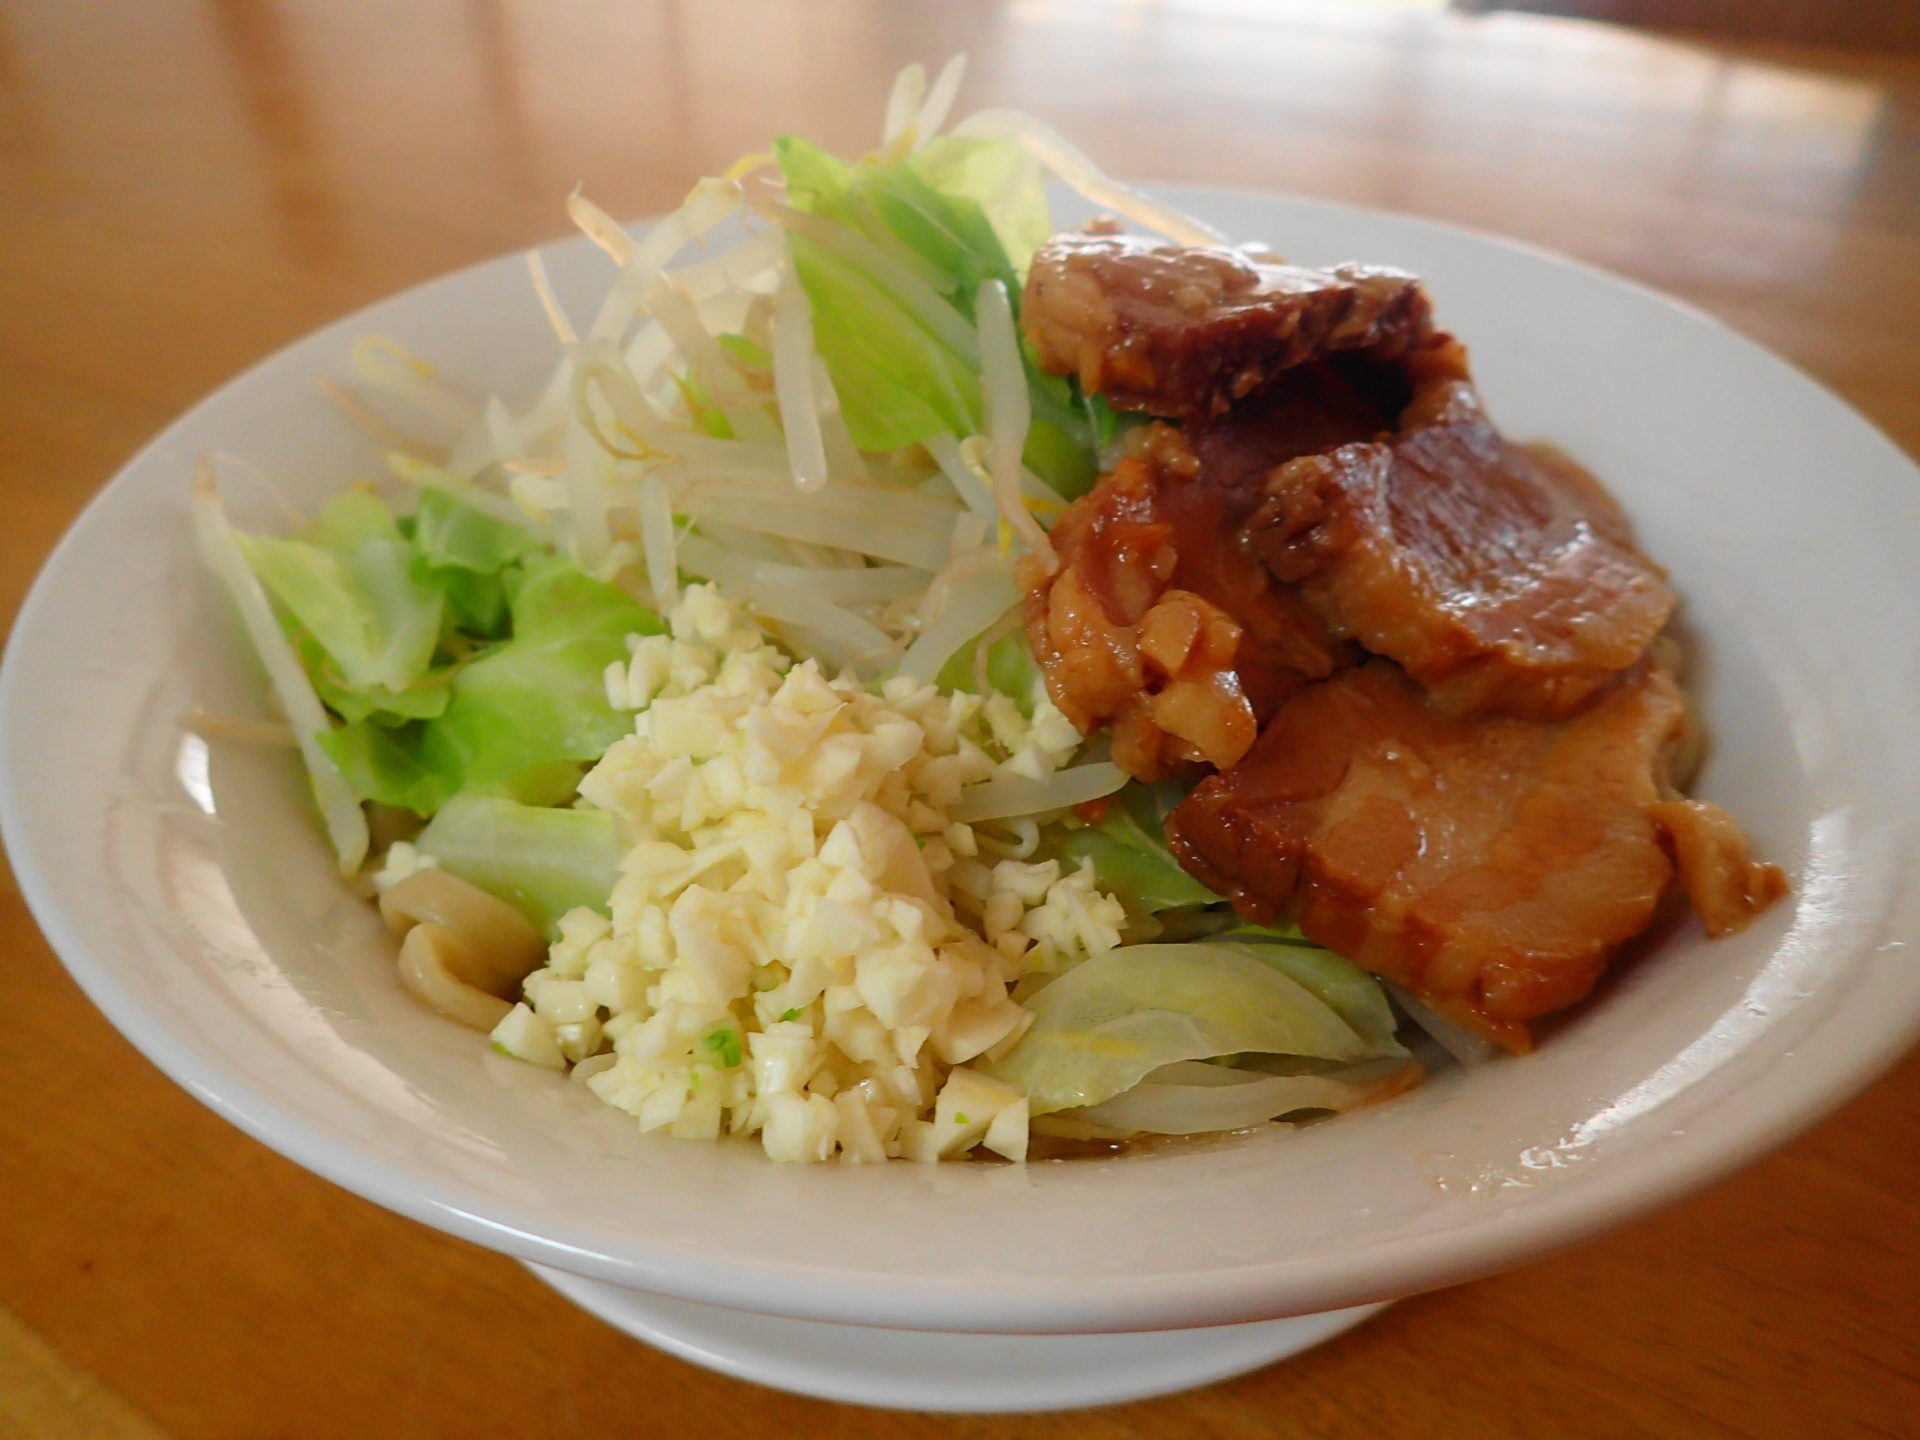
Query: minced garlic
{"points": [[803, 944]]}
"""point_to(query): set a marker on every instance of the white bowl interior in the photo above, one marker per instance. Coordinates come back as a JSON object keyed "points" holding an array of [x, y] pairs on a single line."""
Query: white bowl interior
{"points": [[189, 890]]}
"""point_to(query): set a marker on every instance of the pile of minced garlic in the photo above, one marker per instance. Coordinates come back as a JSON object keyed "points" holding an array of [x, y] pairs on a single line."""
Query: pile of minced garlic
{"points": [[804, 945]]}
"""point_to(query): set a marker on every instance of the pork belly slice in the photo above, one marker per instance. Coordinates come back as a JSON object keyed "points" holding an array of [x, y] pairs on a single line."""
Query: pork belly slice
{"points": [[1158, 624], [1491, 865], [1182, 332], [1505, 580]]}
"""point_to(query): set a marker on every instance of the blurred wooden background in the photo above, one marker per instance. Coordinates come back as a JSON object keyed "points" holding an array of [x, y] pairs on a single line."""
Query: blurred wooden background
{"points": [[187, 184], [1886, 25]]}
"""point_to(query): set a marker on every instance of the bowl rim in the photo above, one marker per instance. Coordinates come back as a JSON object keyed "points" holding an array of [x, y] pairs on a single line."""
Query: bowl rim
{"points": [[1229, 1294]]}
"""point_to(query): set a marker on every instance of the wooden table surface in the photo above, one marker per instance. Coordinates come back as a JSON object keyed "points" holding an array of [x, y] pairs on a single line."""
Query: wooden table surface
{"points": [[185, 186]]}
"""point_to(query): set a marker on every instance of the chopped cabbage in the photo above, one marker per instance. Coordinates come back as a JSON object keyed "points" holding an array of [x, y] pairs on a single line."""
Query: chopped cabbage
{"points": [[522, 711], [353, 592], [450, 533], [1129, 853], [542, 861], [422, 700], [898, 380], [1002, 179], [1191, 1097], [1101, 1027], [1003, 666], [1350, 992], [375, 600], [381, 762], [464, 553]]}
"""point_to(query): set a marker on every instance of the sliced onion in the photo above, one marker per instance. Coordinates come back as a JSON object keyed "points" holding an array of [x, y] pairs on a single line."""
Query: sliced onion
{"points": [[1012, 795]]}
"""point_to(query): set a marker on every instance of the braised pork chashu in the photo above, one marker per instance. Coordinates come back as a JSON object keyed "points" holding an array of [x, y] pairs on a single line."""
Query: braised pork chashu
{"points": [[1504, 582], [1180, 644], [1415, 656], [1490, 865], [1182, 332]]}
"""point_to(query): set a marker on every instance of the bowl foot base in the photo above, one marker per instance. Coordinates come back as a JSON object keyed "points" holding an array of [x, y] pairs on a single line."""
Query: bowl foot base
{"points": [[924, 1370]]}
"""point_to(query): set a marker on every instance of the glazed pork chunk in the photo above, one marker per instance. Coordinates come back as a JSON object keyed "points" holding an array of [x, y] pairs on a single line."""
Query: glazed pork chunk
{"points": [[1505, 580], [1154, 628], [1492, 866], [1183, 333], [1162, 621], [1417, 655]]}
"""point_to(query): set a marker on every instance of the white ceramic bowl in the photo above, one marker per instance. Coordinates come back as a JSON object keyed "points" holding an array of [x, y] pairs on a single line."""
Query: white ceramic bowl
{"points": [[189, 892]]}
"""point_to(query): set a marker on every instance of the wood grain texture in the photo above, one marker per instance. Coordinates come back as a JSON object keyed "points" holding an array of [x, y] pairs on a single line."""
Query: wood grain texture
{"points": [[43, 1392], [185, 186]]}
